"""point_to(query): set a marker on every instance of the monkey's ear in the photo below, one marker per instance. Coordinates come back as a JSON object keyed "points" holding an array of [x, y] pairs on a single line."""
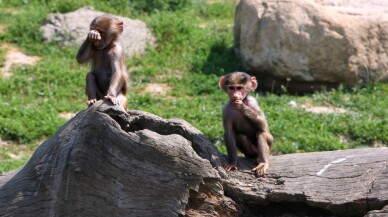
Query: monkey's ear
{"points": [[221, 83], [253, 83]]}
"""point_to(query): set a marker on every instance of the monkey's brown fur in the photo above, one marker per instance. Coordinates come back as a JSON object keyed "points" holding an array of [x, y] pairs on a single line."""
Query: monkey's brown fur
{"points": [[245, 125], [108, 78]]}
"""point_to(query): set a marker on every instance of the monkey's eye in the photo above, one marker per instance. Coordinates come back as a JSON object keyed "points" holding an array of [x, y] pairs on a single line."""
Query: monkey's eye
{"points": [[235, 88]]}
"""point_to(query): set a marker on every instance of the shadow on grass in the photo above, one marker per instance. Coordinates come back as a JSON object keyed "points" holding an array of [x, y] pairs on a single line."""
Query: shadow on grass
{"points": [[221, 60]]}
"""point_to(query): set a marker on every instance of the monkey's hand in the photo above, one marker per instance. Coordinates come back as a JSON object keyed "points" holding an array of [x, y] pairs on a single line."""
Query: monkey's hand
{"points": [[95, 37], [260, 169], [229, 167], [238, 105]]}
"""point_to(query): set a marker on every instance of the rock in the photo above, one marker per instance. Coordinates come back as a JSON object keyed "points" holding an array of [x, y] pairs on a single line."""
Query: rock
{"points": [[106, 162], [306, 44], [72, 28]]}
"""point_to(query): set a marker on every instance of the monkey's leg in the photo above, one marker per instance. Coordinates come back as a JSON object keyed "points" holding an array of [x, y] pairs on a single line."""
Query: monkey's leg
{"points": [[91, 90], [245, 145], [263, 154], [231, 146], [251, 150]]}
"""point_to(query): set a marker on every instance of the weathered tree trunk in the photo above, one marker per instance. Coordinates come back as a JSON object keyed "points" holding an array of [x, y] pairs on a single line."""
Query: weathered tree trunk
{"points": [[336, 183], [108, 162]]}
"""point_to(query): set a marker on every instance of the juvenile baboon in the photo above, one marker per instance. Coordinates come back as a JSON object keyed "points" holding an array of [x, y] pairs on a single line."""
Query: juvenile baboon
{"points": [[245, 125], [108, 78]]}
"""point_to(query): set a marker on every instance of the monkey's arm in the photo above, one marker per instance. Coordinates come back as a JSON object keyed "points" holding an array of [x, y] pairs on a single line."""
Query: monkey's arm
{"points": [[118, 70], [253, 113], [85, 51], [264, 144], [230, 142]]}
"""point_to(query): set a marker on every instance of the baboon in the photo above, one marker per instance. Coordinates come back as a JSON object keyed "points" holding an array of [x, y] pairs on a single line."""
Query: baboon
{"points": [[245, 125], [108, 78]]}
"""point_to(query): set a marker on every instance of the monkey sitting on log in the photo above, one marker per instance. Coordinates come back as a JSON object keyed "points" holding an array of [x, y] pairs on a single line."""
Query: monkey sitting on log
{"points": [[245, 125], [108, 78]]}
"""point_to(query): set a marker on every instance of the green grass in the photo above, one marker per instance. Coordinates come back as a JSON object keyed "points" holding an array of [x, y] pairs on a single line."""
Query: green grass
{"points": [[195, 47], [14, 155]]}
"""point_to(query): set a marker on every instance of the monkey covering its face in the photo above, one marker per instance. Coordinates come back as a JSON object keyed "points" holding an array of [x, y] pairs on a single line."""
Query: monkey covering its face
{"points": [[245, 125], [108, 78]]}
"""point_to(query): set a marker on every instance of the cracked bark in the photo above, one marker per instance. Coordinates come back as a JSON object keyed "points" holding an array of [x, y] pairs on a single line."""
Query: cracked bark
{"points": [[352, 187], [107, 162]]}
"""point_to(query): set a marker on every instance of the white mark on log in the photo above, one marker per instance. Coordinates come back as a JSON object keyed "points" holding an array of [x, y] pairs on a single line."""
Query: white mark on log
{"points": [[338, 161], [324, 169], [331, 164]]}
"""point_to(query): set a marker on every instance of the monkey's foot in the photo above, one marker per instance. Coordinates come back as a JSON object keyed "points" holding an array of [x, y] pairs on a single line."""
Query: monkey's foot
{"points": [[260, 169], [230, 167], [91, 102]]}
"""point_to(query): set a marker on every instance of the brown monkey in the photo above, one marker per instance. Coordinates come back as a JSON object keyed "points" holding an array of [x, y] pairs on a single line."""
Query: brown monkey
{"points": [[245, 125], [108, 78]]}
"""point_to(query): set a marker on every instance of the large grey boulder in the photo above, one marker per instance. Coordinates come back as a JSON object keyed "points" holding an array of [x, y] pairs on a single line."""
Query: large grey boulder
{"points": [[73, 27], [308, 43]]}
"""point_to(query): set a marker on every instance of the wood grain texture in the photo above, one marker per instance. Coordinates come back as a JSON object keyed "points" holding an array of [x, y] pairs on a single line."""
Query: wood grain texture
{"points": [[334, 183], [108, 162], [92, 167]]}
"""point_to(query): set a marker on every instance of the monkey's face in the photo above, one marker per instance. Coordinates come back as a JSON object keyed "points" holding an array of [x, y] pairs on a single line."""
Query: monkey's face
{"points": [[237, 92], [107, 29]]}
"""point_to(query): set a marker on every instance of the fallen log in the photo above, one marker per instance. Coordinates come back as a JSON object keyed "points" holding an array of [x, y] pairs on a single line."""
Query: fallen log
{"points": [[334, 183], [108, 162]]}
